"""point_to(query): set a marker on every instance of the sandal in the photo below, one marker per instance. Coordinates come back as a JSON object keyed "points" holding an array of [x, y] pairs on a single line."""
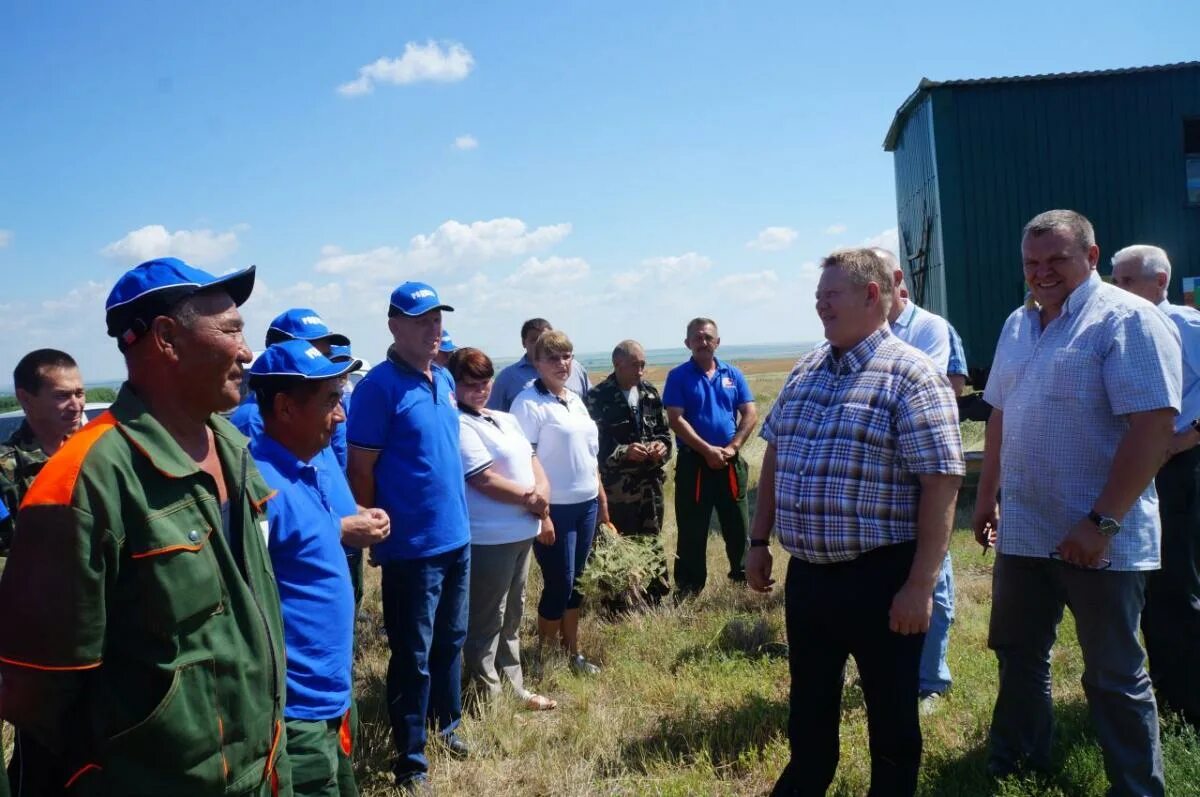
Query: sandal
{"points": [[540, 703]]}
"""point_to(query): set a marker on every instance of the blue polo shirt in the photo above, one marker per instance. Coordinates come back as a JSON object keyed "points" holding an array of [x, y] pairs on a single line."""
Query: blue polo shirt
{"points": [[412, 422], [709, 404], [315, 594], [248, 420]]}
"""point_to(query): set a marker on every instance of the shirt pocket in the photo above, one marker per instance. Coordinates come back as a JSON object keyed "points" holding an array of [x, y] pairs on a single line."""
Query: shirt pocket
{"points": [[1075, 375], [177, 570]]}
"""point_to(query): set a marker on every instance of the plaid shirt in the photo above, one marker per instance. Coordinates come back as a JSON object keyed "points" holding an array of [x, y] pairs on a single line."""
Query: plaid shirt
{"points": [[851, 436]]}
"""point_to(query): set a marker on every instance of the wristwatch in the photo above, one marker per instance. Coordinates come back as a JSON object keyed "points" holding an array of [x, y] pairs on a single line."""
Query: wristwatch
{"points": [[1105, 525], [759, 543]]}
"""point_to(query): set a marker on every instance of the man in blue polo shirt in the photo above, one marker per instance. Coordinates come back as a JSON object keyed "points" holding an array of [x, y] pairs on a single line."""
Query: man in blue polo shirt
{"points": [[711, 410], [299, 392], [404, 458], [299, 323]]}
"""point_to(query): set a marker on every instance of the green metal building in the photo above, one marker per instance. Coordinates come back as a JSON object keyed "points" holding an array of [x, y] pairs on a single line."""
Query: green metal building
{"points": [[976, 159]]}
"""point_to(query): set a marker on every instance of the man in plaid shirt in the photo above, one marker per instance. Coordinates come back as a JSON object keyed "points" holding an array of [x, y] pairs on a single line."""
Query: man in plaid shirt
{"points": [[863, 464]]}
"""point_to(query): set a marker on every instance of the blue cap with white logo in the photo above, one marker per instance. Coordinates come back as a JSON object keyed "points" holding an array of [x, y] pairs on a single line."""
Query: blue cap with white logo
{"points": [[447, 343], [301, 323], [298, 359], [415, 298], [151, 289]]}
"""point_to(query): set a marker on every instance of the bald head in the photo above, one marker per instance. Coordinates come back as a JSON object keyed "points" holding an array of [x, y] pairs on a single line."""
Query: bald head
{"points": [[629, 363], [899, 290]]}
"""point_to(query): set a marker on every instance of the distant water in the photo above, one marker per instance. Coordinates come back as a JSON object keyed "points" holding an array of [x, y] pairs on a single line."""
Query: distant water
{"points": [[601, 362]]}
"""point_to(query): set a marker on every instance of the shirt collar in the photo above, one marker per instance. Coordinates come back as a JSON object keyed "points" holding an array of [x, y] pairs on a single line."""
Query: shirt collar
{"points": [[1075, 300], [155, 443], [267, 448], [405, 367], [906, 315], [24, 438], [720, 366], [854, 359], [541, 388]]}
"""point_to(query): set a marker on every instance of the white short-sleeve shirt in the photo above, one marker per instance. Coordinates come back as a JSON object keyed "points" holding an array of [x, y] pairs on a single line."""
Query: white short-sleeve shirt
{"points": [[566, 441], [495, 440]]}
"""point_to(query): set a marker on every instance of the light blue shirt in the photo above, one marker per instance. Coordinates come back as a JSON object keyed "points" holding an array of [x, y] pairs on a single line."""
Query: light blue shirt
{"points": [[926, 332], [1187, 321], [1065, 391], [958, 355], [520, 375]]}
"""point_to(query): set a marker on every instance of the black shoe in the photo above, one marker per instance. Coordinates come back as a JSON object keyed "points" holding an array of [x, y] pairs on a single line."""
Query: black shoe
{"points": [[457, 748], [581, 666], [415, 784]]}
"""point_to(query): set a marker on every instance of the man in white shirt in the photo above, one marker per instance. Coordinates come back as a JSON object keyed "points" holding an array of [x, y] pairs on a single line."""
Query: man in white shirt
{"points": [[1171, 617], [929, 333]]}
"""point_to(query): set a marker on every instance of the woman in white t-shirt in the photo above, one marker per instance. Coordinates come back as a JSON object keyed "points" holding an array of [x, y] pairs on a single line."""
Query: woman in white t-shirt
{"points": [[507, 497], [566, 441]]}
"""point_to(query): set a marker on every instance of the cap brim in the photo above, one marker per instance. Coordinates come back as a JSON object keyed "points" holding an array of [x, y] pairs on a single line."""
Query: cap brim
{"points": [[337, 369], [423, 312], [238, 285]]}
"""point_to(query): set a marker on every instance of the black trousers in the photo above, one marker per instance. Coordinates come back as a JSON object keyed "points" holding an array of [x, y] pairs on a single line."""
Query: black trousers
{"points": [[833, 612], [1171, 619]]}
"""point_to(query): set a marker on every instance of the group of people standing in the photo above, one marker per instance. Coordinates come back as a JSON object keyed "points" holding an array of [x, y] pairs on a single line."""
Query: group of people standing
{"points": [[193, 627]]}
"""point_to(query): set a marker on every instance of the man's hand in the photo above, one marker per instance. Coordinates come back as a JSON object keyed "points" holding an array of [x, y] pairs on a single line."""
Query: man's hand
{"points": [[759, 564], [536, 503], [657, 451], [1084, 545], [366, 528], [715, 457], [986, 523], [636, 452], [546, 533], [911, 608], [730, 453]]}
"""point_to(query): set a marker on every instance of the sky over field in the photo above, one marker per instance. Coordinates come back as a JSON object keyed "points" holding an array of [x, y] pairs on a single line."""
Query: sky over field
{"points": [[615, 167]]}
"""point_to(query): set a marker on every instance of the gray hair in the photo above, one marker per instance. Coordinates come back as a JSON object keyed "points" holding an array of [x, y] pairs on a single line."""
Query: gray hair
{"points": [[1152, 259], [696, 323], [625, 349], [864, 266], [1069, 221]]}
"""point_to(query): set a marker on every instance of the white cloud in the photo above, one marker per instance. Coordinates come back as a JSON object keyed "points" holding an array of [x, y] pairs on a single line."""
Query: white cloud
{"points": [[199, 247], [835, 229], [467, 141], [552, 271], [747, 287], [889, 239], [6, 237], [451, 245], [773, 239], [663, 270], [446, 62]]}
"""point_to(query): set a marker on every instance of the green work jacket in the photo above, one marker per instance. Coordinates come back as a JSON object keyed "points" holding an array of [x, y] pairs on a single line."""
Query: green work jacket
{"points": [[136, 642]]}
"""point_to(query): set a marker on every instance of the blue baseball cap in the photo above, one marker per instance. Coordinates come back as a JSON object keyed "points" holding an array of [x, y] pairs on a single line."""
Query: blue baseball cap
{"points": [[447, 343], [415, 298], [340, 354], [151, 289], [300, 360], [301, 323]]}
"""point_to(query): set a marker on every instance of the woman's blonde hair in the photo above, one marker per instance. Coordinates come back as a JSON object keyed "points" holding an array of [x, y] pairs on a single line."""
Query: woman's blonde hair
{"points": [[552, 341]]}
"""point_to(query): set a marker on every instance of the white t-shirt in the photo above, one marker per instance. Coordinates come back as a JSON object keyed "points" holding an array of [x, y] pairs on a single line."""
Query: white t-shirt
{"points": [[501, 446], [566, 440]]}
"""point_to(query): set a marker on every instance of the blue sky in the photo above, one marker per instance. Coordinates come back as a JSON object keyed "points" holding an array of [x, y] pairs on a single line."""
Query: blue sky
{"points": [[615, 167]]}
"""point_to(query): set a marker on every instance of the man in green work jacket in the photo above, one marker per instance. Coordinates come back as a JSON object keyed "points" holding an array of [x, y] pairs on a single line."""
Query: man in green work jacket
{"points": [[142, 640]]}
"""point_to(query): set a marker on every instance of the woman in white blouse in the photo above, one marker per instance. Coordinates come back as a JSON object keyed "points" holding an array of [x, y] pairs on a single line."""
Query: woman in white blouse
{"points": [[566, 441], [507, 497]]}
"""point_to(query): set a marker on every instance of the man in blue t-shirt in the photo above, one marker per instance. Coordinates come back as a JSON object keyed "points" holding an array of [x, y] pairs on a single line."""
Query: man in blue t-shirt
{"points": [[404, 459], [299, 392], [711, 410]]}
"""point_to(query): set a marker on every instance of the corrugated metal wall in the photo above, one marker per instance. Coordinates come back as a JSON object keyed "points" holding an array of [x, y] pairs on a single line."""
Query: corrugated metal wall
{"points": [[1108, 146], [919, 216]]}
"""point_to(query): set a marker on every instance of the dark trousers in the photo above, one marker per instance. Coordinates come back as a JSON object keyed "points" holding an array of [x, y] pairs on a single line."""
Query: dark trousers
{"points": [[34, 770], [833, 612], [1171, 619], [318, 761], [563, 561], [425, 615], [698, 490], [1028, 596]]}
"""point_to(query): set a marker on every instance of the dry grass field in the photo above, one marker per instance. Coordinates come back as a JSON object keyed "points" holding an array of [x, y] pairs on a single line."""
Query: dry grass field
{"points": [[688, 704]]}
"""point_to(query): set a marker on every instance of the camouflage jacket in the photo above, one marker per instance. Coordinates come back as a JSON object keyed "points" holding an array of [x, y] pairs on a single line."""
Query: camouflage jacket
{"points": [[21, 459], [619, 427]]}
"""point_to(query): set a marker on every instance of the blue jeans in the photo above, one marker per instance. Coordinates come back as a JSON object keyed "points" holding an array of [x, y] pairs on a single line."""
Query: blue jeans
{"points": [[935, 672], [563, 562], [1028, 596], [425, 614]]}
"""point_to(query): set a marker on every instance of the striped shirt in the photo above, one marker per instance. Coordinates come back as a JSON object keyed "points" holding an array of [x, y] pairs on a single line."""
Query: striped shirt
{"points": [[852, 435]]}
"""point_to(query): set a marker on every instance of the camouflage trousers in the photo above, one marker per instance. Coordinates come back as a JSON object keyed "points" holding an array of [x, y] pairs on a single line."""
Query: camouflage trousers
{"points": [[635, 506]]}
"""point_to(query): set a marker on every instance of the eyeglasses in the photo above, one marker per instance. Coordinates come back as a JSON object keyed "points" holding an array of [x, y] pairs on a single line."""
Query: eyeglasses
{"points": [[558, 358], [1104, 563]]}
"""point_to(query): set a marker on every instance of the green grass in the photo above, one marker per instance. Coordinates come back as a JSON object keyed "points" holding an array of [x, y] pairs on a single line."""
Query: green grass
{"points": [[692, 702]]}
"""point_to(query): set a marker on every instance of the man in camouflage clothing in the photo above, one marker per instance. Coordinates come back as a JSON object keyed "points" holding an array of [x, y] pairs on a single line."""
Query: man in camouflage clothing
{"points": [[50, 391], [635, 444]]}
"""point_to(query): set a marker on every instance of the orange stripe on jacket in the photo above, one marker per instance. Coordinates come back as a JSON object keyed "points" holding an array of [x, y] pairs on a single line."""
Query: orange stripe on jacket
{"points": [[55, 484]]}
